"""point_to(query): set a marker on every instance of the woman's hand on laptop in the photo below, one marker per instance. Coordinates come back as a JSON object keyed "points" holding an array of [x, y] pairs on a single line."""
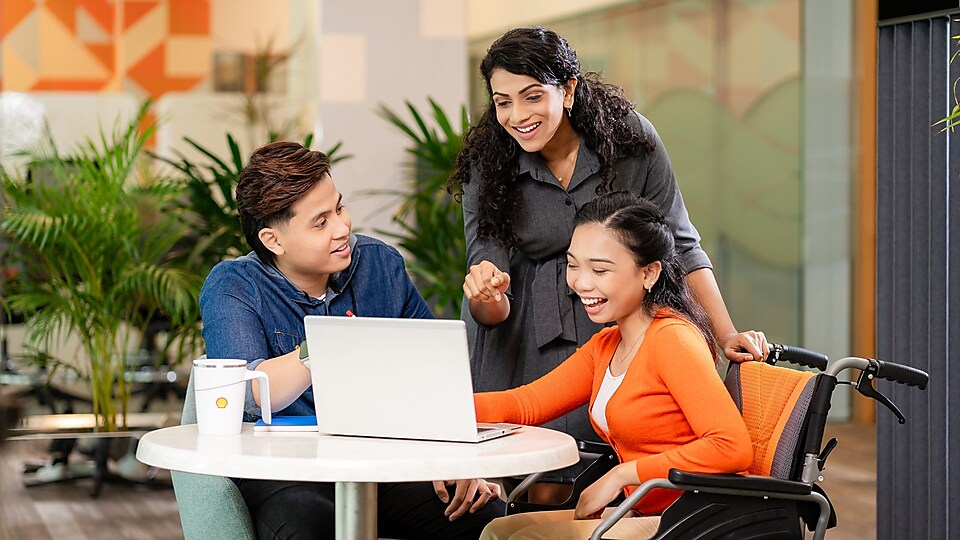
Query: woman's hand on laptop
{"points": [[470, 495]]}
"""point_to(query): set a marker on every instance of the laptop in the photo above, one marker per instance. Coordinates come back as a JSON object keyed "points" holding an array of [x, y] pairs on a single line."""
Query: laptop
{"points": [[394, 378]]}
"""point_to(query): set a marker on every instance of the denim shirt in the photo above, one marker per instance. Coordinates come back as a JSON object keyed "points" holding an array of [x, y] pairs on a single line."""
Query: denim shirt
{"points": [[251, 311]]}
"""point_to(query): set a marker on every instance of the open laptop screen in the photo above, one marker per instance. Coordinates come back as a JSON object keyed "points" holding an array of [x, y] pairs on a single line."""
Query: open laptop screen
{"points": [[400, 378]]}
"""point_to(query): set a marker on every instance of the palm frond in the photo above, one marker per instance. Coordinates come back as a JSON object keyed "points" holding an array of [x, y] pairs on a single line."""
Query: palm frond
{"points": [[429, 219], [94, 241]]}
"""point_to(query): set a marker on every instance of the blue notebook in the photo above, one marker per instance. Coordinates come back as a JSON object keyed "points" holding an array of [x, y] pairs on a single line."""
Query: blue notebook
{"points": [[288, 423]]}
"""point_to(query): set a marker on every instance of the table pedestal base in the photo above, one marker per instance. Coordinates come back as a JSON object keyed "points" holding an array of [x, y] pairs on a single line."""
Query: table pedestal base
{"points": [[356, 510]]}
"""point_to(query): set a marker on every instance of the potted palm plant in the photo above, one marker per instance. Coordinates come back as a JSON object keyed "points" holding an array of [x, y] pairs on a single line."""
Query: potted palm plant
{"points": [[94, 236], [429, 219]]}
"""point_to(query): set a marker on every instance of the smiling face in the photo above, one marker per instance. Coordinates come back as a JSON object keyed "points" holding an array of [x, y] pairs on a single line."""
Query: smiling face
{"points": [[531, 112], [605, 274], [315, 242]]}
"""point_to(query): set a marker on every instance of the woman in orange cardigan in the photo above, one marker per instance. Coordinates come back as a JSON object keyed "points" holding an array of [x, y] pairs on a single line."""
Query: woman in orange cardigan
{"points": [[651, 380]]}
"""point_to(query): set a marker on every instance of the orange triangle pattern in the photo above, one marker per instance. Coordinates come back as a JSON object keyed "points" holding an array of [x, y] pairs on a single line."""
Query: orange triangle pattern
{"points": [[104, 53], [148, 121], [65, 11], [134, 11], [100, 11], [12, 13], [189, 17], [78, 85], [149, 74], [150, 65]]}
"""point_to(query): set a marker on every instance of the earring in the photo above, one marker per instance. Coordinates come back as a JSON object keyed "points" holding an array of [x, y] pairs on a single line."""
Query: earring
{"points": [[649, 288], [569, 111]]}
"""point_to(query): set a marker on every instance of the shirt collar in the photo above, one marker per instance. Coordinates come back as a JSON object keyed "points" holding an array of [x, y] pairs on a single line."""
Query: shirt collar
{"points": [[533, 164]]}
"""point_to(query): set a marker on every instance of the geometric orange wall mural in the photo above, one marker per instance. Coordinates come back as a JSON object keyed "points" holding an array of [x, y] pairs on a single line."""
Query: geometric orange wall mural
{"points": [[145, 47]]}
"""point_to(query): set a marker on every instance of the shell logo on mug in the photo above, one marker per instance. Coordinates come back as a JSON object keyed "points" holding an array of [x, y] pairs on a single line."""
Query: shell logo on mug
{"points": [[221, 403]]}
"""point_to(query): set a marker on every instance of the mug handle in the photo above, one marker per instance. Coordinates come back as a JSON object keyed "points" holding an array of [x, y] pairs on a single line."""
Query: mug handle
{"points": [[265, 412]]}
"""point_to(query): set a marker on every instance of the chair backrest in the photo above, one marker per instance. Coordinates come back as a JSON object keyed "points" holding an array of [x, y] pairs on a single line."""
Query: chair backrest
{"points": [[211, 507], [774, 402], [189, 414]]}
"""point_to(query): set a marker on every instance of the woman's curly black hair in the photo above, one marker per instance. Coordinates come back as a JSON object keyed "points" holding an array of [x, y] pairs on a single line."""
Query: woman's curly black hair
{"points": [[599, 116]]}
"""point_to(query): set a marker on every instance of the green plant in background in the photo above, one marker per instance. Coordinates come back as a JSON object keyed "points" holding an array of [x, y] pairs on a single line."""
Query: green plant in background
{"points": [[210, 206], [952, 120], [430, 220], [94, 239]]}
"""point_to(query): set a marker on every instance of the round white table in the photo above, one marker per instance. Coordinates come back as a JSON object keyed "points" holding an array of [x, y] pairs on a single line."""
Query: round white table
{"points": [[356, 464]]}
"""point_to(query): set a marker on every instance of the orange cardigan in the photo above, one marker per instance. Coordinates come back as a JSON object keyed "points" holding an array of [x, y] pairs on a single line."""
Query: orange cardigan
{"points": [[671, 410]]}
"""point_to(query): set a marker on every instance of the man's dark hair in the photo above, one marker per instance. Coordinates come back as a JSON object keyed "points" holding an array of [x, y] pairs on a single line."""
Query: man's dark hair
{"points": [[278, 175]]}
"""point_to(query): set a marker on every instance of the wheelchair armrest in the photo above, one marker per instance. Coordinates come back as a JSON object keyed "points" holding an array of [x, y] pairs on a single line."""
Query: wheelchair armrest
{"points": [[604, 459], [522, 507], [683, 479], [591, 447]]}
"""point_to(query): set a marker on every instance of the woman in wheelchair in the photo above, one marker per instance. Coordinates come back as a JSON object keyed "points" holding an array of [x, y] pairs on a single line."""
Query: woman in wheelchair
{"points": [[651, 380]]}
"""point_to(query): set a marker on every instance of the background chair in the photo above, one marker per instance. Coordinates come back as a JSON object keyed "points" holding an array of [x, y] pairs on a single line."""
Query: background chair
{"points": [[211, 507]]}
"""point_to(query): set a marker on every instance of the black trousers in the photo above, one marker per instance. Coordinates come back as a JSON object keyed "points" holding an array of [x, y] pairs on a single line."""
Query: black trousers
{"points": [[305, 510]]}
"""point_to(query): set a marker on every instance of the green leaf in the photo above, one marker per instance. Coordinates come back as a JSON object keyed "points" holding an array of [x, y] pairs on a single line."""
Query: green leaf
{"points": [[429, 220]]}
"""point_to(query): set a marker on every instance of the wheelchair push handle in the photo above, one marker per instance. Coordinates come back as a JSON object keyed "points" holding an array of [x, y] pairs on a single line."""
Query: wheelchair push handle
{"points": [[902, 374], [796, 355], [879, 369], [872, 369]]}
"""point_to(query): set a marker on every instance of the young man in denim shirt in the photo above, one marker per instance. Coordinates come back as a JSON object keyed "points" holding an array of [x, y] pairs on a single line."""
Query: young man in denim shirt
{"points": [[305, 261]]}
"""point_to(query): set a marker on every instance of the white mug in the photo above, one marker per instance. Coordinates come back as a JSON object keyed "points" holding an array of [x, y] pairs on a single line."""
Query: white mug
{"points": [[220, 387]]}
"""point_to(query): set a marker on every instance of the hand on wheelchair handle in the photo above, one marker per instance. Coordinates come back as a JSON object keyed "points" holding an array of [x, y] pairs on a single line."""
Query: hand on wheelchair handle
{"points": [[745, 346], [797, 355]]}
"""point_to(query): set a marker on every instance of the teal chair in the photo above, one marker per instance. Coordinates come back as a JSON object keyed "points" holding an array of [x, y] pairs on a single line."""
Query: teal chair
{"points": [[211, 507]]}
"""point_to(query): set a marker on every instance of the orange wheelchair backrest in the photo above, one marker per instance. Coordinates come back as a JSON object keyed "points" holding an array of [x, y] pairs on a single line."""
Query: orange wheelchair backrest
{"points": [[773, 402]]}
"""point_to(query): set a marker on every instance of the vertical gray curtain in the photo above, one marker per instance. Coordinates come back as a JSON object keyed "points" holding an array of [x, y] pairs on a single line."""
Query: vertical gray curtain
{"points": [[918, 279]]}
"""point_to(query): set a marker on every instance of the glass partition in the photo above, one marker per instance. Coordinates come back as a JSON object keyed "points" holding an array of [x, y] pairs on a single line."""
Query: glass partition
{"points": [[721, 81]]}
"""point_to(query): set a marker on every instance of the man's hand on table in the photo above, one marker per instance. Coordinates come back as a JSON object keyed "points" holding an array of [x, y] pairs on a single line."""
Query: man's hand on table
{"points": [[469, 496]]}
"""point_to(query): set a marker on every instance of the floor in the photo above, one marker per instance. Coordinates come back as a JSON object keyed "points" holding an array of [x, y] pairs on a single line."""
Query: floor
{"points": [[150, 512], [850, 481]]}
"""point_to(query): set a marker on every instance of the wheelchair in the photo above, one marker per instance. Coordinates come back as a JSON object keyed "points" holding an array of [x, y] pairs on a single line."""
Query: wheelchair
{"points": [[785, 411]]}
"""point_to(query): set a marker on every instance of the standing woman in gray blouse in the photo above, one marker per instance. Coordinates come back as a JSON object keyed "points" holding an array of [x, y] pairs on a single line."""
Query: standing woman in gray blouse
{"points": [[551, 140]]}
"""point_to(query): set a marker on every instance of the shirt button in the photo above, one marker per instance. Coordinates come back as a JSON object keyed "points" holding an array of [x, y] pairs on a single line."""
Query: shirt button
{"points": [[568, 202]]}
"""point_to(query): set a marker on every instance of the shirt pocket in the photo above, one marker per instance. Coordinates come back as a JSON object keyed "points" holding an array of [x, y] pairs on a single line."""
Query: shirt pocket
{"points": [[285, 341]]}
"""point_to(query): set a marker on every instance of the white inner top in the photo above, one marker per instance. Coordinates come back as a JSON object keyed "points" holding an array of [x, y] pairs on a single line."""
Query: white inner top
{"points": [[607, 388]]}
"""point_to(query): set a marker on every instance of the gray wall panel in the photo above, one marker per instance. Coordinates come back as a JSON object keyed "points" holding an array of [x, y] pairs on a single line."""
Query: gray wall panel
{"points": [[885, 165], [952, 330], [917, 221], [917, 284]]}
